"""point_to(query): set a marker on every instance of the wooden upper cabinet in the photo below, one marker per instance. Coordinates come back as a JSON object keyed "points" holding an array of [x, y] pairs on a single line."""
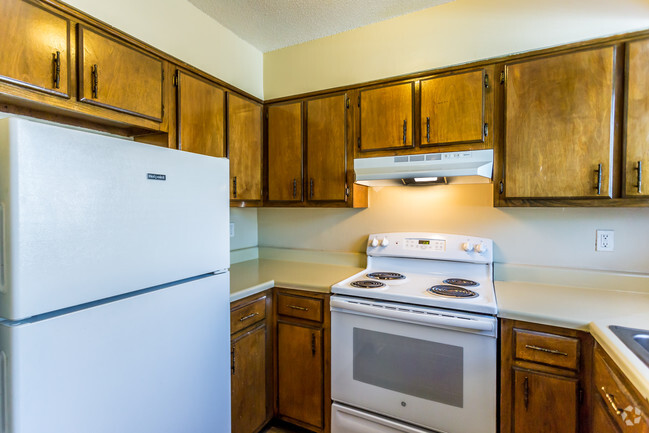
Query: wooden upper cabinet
{"points": [[637, 128], [453, 108], [200, 118], [116, 75], [35, 47], [559, 120], [326, 144], [386, 117], [244, 148], [285, 152]]}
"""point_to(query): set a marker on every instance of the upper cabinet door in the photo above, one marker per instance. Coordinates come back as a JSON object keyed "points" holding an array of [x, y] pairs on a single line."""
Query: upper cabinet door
{"points": [[559, 126], [200, 120], [285, 152], [326, 148], [637, 128], [115, 75], [453, 109], [244, 148], [386, 117], [35, 47]]}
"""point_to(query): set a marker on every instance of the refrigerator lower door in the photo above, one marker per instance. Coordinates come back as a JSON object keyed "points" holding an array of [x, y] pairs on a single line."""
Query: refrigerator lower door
{"points": [[153, 363], [345, 419]]}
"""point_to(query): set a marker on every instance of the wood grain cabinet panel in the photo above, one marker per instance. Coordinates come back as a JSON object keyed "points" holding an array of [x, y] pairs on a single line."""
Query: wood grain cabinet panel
{"points": [[386, 117], [35, 47], [326, 144], [245, 141], [453, 108], [300, 373], [559, 117], [544, 403], [248, 367], [637, 128], [285, 152], [115, 75], [200, 119]]}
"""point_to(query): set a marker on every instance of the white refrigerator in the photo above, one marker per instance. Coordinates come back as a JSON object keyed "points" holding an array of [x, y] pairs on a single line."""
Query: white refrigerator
{"points": [[114, 285]]}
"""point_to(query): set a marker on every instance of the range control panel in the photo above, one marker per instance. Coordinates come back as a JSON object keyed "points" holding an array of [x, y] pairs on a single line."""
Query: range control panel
{"points": [[431, 246]]}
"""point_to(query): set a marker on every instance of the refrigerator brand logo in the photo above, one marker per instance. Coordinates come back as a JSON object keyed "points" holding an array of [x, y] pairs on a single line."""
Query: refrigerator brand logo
{"points": [[153, 176]]}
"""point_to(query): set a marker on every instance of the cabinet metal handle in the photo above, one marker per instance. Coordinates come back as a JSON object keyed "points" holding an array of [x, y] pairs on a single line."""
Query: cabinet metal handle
{"points": [[405, 130], [639, 178], [234, 187], [611, 400], [313, 343], [543, 349], [428, 129], [249, 316], [311, 189], [526, 392], [56, 62], [232, 360], [297, 307], [486, 81], [94, 82], [598, 187], [294, 188]]}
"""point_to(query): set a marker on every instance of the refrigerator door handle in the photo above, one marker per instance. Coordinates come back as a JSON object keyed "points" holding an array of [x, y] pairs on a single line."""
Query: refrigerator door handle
{"points": [[4, 400]]}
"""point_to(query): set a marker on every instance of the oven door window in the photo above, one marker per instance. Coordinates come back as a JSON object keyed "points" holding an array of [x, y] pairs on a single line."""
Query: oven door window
{"points": [[420, 368]]}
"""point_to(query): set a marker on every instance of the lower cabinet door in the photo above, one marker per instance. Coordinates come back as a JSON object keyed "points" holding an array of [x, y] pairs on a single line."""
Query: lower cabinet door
{"points": [[602, 422], [544, 403], [300, 373], [249, 381]]}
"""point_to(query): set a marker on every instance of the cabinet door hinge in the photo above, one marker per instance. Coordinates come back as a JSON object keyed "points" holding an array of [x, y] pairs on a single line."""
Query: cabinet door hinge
{"points": [[486, 129], [486, 81], [359, 100], [501, 187], [358, 143], [163, 110], [175, 79], [346, 191], [581, 395], [163, 75], [502, 77], [347, 103]]}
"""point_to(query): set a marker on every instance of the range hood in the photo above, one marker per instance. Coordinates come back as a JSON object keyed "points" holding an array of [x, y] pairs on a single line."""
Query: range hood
{"points": [[473, 166]]}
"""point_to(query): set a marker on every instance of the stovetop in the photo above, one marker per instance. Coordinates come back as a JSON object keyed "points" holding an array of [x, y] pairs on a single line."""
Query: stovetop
{"points": [[428, 269]]}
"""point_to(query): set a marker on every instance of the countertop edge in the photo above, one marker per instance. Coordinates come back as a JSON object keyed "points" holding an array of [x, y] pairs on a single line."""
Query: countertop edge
{"points": [[253, 290]]}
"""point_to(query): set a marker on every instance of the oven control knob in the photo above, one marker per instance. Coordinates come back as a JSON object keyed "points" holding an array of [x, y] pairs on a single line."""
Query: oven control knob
{"points": [[480, 248], [374, 242], [385, 242], [467, 246]]}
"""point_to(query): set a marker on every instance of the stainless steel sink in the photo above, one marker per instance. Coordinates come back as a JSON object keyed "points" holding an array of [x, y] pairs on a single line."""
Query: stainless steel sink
{"points": [[635, 339]]}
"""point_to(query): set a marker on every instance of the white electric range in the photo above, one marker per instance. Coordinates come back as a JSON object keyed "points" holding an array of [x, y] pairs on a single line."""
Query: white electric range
{"points": [[414, 337]]}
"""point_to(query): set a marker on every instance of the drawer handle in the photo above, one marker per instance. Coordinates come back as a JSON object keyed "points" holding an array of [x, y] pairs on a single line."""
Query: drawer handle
{"points": [[297, 307], [639, 184], [56, 60], [598, 186], [543, 349], [94, 81], [611, 399], [248, 317]]}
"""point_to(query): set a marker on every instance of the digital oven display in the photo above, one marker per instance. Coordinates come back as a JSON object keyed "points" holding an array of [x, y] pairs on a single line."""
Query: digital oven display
{"points": [[423, 242]]}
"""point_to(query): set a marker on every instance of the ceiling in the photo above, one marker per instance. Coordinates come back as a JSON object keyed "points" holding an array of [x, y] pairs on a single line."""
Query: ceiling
{"points": [[272, 24]]}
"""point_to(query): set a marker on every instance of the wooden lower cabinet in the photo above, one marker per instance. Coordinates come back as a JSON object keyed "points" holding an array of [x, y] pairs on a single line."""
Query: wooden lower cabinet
{"points": [[545, 376], [251, 363], [303, 359]]}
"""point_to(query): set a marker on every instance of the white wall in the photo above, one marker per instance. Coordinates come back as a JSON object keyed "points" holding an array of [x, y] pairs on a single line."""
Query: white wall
{"points": [[245, 228], [558, 237], [457, 32], [179, 28]]}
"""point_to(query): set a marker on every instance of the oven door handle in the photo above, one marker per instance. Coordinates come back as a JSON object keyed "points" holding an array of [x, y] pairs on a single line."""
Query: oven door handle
{"points": [[412, 316]]}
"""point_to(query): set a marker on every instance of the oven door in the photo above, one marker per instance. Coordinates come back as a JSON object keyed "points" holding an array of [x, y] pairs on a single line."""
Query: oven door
{"points": [[429, 367]]}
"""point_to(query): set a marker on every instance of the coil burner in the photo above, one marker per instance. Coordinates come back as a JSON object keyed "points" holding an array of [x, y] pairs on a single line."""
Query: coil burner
{"points": [[367, 284], [386, 275], [452, 291], [461, 282]]}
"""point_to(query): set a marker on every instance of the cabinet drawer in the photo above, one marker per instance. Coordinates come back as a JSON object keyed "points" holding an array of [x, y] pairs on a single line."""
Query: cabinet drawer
{"points": [[299, 307], [247, 315], [620, 403], [550, 349]]}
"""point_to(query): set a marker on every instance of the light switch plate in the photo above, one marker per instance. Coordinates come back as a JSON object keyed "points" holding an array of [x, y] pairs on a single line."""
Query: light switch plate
{"points": [[231, 230]]}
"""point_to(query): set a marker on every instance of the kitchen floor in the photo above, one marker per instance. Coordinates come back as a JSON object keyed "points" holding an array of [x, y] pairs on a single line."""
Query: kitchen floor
{"points": [[280, 427]]}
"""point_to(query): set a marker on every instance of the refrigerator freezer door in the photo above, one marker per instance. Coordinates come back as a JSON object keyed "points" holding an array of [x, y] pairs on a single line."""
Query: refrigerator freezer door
{"points": [[153, 363], [85, 216]]}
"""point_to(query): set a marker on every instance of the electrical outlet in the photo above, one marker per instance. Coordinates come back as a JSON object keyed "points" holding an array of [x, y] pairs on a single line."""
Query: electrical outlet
{"points": [[231, 230], [605, 239]]}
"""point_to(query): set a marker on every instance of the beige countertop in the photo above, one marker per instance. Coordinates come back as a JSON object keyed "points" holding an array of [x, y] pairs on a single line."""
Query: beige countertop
{"points": [[584, 308], [253, 276]]}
